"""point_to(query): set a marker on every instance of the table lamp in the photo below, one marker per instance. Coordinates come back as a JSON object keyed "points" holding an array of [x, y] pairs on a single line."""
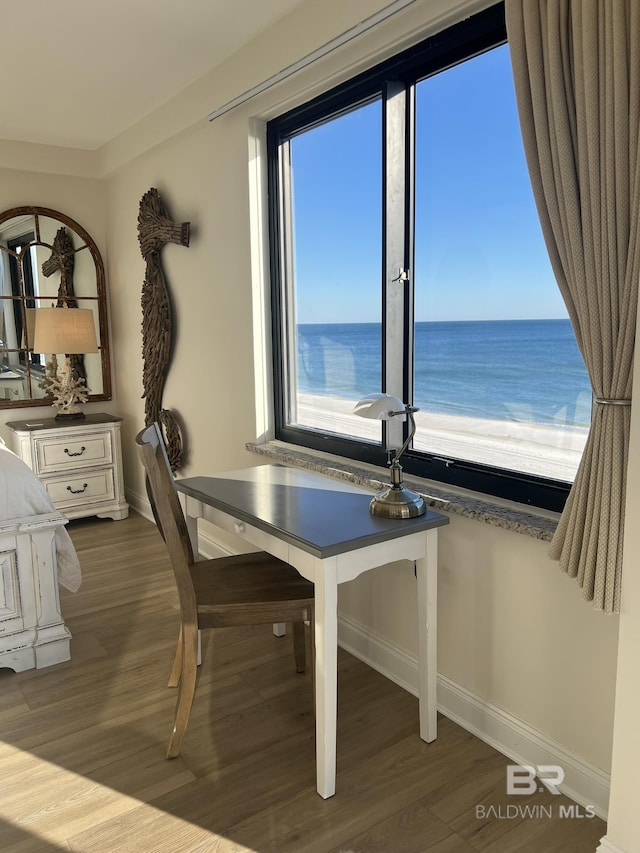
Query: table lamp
{"points": [[396, 501], [70, 331]]}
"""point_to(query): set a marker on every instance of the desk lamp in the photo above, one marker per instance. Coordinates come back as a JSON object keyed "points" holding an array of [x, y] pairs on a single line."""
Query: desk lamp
{"points": [[70, 331], [396, 501]]}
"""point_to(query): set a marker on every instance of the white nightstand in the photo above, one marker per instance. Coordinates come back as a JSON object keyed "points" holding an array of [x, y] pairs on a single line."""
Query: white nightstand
{"points": [[79, 462]]}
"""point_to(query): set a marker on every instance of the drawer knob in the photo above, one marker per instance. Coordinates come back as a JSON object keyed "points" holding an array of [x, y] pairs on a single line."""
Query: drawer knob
{"points": [[76, 453], [239, 527], [77, 491]]}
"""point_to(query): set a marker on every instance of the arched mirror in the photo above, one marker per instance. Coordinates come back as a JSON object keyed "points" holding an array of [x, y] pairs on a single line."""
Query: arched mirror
{"points": [[47, 260]]}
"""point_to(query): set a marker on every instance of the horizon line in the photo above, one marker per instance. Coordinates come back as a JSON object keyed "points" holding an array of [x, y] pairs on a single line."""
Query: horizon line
{"points": [[477, 320]]}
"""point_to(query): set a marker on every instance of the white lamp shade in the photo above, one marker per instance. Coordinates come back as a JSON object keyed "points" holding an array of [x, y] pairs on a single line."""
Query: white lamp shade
{"points": [[64, 330], [382, 407]]}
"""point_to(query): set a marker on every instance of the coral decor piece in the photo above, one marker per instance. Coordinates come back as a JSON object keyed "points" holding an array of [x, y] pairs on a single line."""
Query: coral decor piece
{"points": [[155, 229], [66, 389]]}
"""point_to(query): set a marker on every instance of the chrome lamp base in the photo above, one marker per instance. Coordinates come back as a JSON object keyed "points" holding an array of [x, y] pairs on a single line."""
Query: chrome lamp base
{"points": [[396, 501]]}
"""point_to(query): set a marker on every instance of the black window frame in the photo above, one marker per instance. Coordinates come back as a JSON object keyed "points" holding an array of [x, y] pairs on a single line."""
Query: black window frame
{"points": [[453, 45]]}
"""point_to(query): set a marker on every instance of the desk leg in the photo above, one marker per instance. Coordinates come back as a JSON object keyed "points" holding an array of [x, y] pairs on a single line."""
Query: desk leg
{"points": [[191, 521], [326, 644], [427, 574]]}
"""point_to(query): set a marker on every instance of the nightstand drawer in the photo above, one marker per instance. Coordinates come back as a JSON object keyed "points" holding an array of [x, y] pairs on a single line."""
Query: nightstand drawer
{"points": [[82, 489], [72, 452]]}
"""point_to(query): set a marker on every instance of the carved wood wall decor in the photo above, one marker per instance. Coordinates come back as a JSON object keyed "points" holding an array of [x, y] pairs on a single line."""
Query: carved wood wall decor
{"points": [[155, 230], [63, 260]]}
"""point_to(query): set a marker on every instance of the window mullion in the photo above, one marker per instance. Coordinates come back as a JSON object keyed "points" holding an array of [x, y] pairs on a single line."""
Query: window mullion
{"points": [[395, 261], [409, 328], [289, 350]]}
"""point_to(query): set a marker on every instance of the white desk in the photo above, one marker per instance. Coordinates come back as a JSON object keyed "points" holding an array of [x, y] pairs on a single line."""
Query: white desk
{"points": [[323, 527]]}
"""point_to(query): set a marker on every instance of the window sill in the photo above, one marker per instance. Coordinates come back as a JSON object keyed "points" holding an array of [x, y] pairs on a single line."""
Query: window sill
{"points": [[536, 523]]}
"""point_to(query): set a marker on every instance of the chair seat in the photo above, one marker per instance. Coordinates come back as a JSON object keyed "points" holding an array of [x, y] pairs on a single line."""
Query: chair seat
{"points": [[249, 589]]}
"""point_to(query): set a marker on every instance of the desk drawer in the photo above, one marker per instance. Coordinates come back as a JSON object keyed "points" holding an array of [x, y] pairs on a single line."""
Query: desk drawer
{"points": [[54, 455], [81, 489], [262, 540]]}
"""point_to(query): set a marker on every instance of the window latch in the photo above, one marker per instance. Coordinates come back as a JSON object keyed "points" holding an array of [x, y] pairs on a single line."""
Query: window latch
{"points": [[403, 275]]}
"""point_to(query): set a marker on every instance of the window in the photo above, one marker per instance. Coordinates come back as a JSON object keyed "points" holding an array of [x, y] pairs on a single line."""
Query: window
{"points": [[22, 252], [407, 257]]}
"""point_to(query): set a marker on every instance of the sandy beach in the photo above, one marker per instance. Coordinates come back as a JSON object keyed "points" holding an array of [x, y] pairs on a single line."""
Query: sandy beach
{"points": [[545, 450]]}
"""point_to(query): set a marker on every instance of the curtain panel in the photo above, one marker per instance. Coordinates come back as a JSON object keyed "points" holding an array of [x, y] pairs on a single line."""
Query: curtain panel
{"points": [[576, 68]]}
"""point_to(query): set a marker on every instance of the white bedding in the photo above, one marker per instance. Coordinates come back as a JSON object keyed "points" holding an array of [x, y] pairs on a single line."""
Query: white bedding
{"points": [[22, 494]]}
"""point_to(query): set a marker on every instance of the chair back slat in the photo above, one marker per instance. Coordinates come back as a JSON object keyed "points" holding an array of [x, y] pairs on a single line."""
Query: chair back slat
{"points": [[168, 513]]}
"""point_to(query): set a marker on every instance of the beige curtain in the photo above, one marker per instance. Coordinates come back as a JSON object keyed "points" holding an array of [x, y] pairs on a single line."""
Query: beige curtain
{"points": [[577, 79]]}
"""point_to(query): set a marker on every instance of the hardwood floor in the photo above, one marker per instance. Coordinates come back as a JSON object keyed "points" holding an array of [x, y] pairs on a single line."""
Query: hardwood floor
{"points": [[82, 763]]}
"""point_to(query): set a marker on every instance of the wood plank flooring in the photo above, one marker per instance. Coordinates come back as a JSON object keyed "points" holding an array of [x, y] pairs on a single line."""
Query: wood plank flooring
{"points": [[82, 763]]}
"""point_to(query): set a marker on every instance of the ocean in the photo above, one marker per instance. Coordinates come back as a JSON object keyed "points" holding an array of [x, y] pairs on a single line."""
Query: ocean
{"points": [[523, 370]]}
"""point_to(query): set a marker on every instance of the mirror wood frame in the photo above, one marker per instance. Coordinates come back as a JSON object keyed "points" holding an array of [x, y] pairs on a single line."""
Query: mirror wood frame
{"points": [[100, 297]]}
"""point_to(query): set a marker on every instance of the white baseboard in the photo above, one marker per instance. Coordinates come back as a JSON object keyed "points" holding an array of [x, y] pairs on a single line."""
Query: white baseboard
{"points": [[139, 504], [584, 783], [211, 548], [606, 846]]}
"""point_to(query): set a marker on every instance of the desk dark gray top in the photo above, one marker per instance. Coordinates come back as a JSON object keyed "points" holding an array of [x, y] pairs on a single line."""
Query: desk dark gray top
{"points": [[321, 516]]}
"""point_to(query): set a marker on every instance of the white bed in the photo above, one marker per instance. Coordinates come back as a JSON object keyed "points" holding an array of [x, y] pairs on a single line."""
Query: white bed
{"points": [[36, 554]]}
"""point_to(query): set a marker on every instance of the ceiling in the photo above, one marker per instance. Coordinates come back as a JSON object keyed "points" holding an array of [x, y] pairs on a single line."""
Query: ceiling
{"points": [[79, 72]]}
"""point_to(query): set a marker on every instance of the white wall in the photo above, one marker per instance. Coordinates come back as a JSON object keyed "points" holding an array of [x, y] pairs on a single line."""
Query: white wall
{"points": [[202, 176]]}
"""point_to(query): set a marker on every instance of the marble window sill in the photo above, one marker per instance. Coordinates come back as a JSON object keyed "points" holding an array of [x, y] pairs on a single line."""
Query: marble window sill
{"points": [[538, 524]]}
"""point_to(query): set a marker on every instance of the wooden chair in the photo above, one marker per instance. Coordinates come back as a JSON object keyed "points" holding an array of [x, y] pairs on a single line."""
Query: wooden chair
{"points": [[245, 589]]}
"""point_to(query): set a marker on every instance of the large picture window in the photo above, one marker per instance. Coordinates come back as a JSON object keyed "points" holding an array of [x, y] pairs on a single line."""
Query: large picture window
{"points": [[407, 257]]}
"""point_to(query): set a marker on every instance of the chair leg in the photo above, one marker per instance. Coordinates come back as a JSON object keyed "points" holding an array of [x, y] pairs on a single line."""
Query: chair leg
{"points": [[174, 678], [186, 689], [299, 646]]}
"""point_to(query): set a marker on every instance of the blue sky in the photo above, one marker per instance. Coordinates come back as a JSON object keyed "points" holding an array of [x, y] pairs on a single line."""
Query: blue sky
{"points": [[479, 248]]}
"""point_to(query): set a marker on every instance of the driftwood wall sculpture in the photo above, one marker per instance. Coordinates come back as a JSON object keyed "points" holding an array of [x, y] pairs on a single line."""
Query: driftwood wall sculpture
{"points": [[62, 260], [155, 230]]}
